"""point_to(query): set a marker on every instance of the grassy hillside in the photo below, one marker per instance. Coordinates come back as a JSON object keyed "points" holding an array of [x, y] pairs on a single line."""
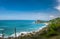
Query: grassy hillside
{"points": [[52, 31]]}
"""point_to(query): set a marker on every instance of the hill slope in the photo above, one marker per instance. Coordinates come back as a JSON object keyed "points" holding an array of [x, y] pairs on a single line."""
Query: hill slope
{"points": [[52, 31]]}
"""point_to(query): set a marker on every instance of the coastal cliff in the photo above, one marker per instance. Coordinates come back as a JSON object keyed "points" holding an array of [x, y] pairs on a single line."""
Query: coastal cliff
{"points": [[40, 21], [51, 31]]}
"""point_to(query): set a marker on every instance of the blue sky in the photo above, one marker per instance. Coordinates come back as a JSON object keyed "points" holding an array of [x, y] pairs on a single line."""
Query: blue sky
{"points": [[29, 9]]}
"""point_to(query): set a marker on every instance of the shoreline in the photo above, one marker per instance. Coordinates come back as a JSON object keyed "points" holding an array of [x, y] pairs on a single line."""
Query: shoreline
{"points": [[25, 33], [42, 27]]}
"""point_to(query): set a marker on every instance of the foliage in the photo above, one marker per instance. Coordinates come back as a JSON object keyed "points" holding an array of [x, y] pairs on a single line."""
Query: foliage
{"points": [[50, 32], [54, 27]]}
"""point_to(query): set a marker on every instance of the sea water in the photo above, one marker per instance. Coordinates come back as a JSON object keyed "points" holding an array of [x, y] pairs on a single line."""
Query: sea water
{"points": [[8, 26]]}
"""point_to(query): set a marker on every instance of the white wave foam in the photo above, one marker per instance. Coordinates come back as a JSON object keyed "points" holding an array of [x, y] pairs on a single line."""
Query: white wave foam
{"points": [[24, 33], [4, 36], [0, 35], [18, 34], [1, 29], [42, 27], [33, 22]]}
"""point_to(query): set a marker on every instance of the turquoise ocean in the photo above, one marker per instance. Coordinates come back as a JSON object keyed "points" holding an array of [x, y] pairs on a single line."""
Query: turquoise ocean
{"points": [[8, 26]]}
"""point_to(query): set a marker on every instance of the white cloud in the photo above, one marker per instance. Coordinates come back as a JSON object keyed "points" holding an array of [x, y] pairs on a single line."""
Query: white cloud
{"points": [[51, 16], [58, 0], [58, 6]]}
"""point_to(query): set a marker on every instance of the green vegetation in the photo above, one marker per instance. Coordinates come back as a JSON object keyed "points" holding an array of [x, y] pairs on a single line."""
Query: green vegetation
{"points": [[53, 28], [52, 31]]}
